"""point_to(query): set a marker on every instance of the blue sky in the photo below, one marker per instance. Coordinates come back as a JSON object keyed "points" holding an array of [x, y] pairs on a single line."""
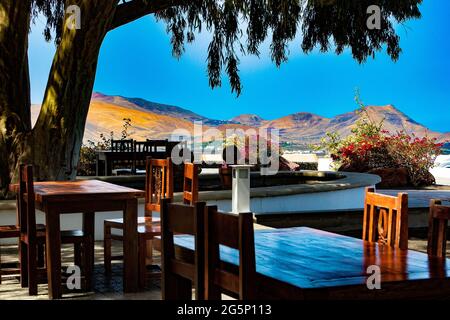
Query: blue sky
{"points": [[136, 61]]}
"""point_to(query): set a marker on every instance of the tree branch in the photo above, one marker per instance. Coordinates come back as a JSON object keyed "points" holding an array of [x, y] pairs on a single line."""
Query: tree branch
{"points": [[133, 10]]}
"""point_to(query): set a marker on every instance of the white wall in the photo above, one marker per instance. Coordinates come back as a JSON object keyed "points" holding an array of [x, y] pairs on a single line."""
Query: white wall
{"points": [[68, 221], [319, 201]]}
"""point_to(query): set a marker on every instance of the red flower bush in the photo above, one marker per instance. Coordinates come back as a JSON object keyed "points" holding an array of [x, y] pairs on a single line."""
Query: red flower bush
{"points": [[386, 150], [370, 147]]}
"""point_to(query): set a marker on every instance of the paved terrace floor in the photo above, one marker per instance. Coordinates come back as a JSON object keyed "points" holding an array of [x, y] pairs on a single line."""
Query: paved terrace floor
{"points": [[104, 288]]}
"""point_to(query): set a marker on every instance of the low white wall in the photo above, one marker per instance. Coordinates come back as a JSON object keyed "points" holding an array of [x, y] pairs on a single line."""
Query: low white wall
{"points": [[320, 201]]}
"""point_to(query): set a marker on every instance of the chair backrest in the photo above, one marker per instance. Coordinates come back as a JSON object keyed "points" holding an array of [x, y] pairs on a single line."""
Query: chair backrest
{"points": [[186, 220], [233, 231], [437, 228], [157, 148], [27, 212], [386, 219], [158, 183], [122, 145], [190, 184]]}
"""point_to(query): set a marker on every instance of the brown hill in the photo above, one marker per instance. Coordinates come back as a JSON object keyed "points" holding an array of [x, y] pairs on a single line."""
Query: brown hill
{"points": [[154, 121]]}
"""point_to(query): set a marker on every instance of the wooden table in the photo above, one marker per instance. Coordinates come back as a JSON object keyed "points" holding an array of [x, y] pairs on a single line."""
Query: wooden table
{"points": [[87, 197], [109, 157], [305, 263]]}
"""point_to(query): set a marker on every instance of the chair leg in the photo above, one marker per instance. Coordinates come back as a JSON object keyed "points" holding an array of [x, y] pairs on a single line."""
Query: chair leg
{"points": [[107, 249], [40, 255], [88, 247], [149, 253], [23, 264], [0, 264], [78, 256], [142, 263], [32, 270]]}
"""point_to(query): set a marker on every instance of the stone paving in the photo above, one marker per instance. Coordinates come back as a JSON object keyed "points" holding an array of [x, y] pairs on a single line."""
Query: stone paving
{"points": [[104, 288]]}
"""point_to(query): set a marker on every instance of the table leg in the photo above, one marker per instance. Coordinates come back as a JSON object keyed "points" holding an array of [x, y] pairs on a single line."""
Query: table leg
{"points": [[105, 167], [97, 164], [108, 167], [89, 231], [130, 247], [53, 241]]}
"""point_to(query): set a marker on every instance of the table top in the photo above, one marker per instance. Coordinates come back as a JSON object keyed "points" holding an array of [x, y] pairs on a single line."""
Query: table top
{"points": [[310, 259], [68, 190]]}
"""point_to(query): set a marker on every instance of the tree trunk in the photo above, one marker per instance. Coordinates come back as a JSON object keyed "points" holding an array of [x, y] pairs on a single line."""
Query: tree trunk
{"points": [[58, 133], [15, 123]]}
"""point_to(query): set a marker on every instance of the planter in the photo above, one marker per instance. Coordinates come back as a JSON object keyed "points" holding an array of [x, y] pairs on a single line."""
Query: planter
{"points": [[391, 177]]}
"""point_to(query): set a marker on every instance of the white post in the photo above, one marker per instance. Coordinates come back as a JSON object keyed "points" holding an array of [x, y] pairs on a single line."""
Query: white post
{"points": [[241, 189]]}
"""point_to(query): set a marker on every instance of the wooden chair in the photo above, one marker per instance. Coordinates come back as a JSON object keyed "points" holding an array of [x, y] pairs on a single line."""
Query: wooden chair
{"points": [[32, 238], [386, 219], [190, 184], [158, 185], [178, 274], [7, 232], [158, 149], [124, 166], [141, 151], [233, 231], [437, 229], [122, 145]]}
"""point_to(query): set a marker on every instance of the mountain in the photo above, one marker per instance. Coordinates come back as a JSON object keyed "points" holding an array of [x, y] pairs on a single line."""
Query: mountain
{"points": [[157, 108], [251, 120], [152, 120]]}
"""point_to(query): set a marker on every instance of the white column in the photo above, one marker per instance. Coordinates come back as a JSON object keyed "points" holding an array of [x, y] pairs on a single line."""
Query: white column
{"points": [[241, 188]]}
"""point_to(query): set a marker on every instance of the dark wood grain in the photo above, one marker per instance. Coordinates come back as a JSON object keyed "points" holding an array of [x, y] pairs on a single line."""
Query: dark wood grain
{"points": [[304, 263], [87, 197], [158, 185], [236, 232], [185, 219], [69, 191], [190, 184], [437, 228], [386, 219]]}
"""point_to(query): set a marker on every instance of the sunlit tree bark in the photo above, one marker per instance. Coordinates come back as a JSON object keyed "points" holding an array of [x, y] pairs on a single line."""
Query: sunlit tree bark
{"points": [[15, 123]]}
